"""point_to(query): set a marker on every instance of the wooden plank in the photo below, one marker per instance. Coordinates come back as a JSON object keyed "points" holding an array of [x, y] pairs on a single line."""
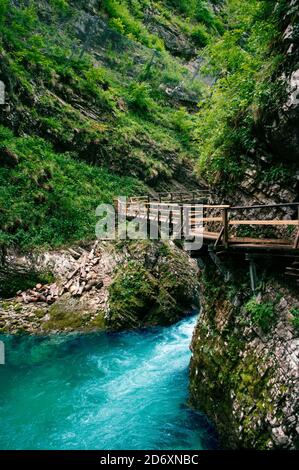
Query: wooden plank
{"points": [[258, 240], [208, 235], [265, 206], [264, 222], [292, 274], [209, 206], [225, 227], [269, 246], [208, 220]]}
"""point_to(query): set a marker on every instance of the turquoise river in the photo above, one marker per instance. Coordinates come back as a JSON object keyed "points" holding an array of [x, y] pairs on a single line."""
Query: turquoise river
{"points": [[100, 391]]}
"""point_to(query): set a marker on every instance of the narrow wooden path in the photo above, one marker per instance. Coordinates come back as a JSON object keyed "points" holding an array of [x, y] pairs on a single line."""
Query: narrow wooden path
{"points": [[239, 229]]}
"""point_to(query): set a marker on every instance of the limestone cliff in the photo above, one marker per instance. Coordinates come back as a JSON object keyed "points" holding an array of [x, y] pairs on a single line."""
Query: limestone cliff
{"points": [[245, 364], [244, 368]]}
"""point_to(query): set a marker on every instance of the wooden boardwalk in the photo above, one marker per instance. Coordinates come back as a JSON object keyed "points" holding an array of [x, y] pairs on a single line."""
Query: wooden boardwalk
{"points": [[224, 228]]}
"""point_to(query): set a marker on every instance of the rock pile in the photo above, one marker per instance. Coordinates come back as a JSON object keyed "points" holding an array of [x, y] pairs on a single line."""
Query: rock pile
{"points": [[82, 279]]}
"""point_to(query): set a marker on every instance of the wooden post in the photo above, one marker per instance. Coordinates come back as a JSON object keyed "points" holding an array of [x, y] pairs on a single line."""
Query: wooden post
{"points": [[296, 243], [219, 238], [182, 222], [193, 218], [159, 227], [170, 223], [225, 272], [148, 221], [225, 226], [115, 204], [252, 272]]}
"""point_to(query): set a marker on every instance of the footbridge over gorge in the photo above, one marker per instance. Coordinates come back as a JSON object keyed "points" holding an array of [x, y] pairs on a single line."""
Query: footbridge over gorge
{"points": [[255, 232]]}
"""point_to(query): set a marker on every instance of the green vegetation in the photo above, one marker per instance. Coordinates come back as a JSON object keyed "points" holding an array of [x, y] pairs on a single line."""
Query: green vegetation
{"points": [[60, 160], [67, 315], [262, 313], [295, 318], [229, 370], [132, 294], [86, 112], [131, 24], [41, 201], [195, 18], [246, 66], [145, 292], [14, 281]]}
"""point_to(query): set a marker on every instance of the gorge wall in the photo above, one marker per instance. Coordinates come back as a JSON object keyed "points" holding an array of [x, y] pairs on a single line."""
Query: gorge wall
{"points": [[244, 370], [245, 364]]}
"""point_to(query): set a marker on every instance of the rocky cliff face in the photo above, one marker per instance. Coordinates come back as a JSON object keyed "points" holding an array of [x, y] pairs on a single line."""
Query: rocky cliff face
{"points": [[276, 124], [245, 364], [281, 125], [244, 368]]}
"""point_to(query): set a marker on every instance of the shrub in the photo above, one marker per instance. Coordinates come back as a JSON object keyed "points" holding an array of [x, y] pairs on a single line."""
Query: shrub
{"points": [[200, 36], [40, 198], [139, 97], [262, 314]]}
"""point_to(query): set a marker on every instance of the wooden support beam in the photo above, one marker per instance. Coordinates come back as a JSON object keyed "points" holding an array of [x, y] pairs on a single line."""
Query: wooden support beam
{"points": [[265, 206], [225, 227], [294, 270], [171, 223], [148, 221], [296, 242], [219, 238], [292, 274], [219, 264], [182, 222], [252, 272]]}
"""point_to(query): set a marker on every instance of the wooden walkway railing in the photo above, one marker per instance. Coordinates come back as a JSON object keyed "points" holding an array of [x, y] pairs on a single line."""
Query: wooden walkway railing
{"points": [[218, 224], [200, 195]]}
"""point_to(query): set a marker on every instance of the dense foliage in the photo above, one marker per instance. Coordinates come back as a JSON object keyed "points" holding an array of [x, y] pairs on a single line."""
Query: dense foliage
{"points": [[247, 65], [82, 122], [90, 104]]}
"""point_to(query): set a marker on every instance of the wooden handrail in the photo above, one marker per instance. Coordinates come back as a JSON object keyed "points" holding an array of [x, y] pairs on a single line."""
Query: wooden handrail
{"points": [[264, 222], [172, 212], [264, 206]]}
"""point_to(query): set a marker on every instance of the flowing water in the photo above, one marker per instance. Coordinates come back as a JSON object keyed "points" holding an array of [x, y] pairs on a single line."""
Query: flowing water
{"points": [[100, 391]]}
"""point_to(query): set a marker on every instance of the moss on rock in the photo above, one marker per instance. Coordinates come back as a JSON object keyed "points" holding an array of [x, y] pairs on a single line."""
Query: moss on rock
{"points": [[68, 315], [157, 286]]}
